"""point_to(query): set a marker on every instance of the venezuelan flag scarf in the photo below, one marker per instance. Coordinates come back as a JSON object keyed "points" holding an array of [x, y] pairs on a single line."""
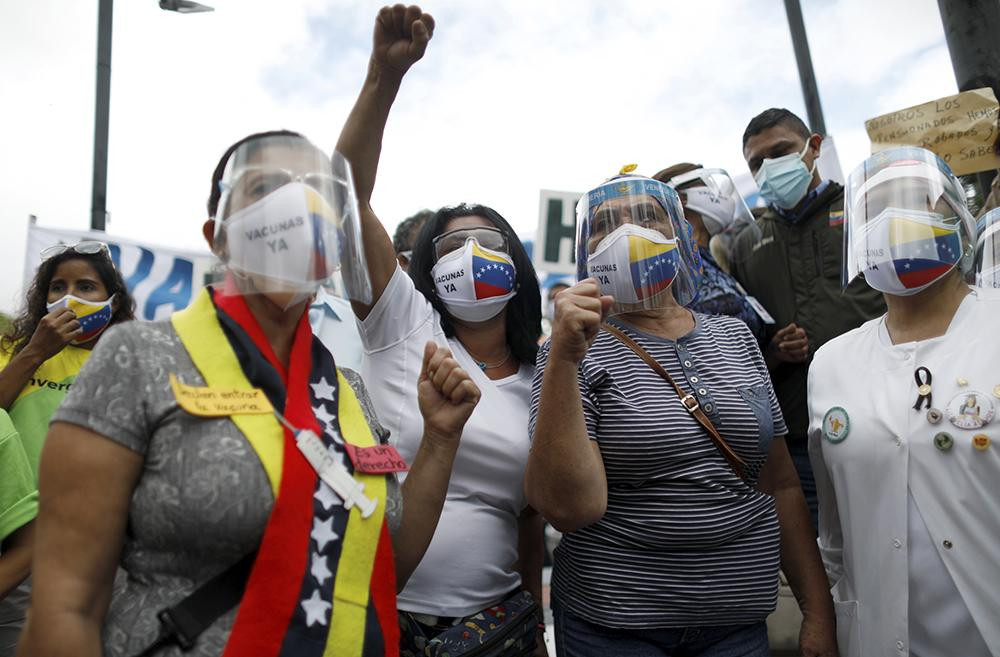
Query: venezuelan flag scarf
{"points": [[323, 583]]}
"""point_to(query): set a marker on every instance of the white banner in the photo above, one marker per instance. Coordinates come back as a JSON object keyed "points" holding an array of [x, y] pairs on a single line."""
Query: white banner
{"points": [[553, 251], [162, 280]]}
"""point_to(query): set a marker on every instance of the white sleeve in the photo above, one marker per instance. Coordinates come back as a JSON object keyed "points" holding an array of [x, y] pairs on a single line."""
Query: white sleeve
{"points": [[400, 312], [831, 538]]}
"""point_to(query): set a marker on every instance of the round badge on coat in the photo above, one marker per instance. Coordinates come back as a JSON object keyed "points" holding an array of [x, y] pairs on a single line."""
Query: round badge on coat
{"points": [[943, 441], [970, 410], [836, 425]]}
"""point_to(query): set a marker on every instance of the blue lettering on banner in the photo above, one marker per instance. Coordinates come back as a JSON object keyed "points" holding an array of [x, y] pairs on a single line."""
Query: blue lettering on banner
{"points": [[175, 291], [142, 269]]}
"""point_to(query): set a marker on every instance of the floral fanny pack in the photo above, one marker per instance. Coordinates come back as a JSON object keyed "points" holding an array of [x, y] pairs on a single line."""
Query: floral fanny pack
{"points": [[507, 629]]}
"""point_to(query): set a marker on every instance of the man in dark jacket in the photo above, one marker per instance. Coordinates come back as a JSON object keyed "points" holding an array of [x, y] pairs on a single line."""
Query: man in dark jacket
{"points": [[791, 261]]}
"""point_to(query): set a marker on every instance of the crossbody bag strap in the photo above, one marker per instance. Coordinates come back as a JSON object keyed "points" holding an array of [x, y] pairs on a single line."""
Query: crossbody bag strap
{"points": [[186, 620], [688, 401]]}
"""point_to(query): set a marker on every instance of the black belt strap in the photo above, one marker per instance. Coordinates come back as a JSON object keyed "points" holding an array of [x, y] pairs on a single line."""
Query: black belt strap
{"points": [[186, 620]]}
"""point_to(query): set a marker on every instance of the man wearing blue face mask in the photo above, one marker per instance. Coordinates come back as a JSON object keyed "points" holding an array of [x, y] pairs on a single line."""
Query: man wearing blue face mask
{"points": [[791, 261]]}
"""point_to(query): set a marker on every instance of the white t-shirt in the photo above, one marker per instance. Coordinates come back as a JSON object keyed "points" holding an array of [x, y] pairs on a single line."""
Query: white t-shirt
{"points": [[470, 562]]}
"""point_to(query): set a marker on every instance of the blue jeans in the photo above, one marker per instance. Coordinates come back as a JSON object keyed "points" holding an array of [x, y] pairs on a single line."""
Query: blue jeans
{"points": [[576, 637]]}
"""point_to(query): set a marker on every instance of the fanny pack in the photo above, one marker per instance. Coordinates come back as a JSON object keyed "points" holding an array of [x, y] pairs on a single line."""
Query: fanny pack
{"points": [[507, 629]]}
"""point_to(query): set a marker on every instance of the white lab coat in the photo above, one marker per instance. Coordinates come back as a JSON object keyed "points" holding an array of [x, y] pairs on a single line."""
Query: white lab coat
{"points": [[865, 482]]}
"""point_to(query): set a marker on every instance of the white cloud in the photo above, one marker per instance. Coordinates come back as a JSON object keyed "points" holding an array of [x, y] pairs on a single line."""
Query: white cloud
{"points": [[511, 97]]}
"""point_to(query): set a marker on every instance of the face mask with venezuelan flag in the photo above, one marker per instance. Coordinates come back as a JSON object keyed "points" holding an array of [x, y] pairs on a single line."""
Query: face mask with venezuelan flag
{"points": [[475, 283], [904, 251], [634, 264], [94, 316]]}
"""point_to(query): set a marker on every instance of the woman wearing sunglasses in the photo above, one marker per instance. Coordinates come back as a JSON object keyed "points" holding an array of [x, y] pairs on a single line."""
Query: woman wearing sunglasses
{"points": [[76, 294], [472, 287]]}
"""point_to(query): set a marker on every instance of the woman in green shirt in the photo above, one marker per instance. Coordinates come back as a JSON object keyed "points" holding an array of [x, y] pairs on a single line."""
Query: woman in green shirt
{"points": [[77, 293]]}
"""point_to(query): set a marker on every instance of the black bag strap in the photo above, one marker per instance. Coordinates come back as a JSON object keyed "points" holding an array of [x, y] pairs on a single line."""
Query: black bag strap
{"points": [[186, 620]]}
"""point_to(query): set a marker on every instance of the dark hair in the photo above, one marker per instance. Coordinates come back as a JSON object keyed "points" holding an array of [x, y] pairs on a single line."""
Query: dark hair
{"points": [[664, 175], [524, 311], [402, 239], [23, 327], [220, 168], [772, 117]]}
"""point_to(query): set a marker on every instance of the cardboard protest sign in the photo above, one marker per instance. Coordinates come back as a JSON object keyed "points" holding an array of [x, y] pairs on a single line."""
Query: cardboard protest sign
{"points": [[960, 129]]}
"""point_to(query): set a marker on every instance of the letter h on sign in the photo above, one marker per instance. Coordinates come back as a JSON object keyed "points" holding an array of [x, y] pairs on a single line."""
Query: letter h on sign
{"points": [[554, 248]]}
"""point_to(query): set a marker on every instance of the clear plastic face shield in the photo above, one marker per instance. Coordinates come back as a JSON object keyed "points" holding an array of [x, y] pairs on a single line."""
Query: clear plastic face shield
{"points": [[287, 220], [906, 222], [712, 194], [632, 237], [988, 251]]}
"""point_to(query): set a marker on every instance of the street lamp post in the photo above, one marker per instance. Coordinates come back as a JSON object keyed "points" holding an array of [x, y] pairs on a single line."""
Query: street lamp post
{"points": [[98, 197], [102, 102], [800, 44]]}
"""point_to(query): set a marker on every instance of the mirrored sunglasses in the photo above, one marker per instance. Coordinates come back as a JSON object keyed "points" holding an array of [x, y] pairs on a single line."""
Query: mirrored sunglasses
{"points": [[488, 238], [85, 247]]}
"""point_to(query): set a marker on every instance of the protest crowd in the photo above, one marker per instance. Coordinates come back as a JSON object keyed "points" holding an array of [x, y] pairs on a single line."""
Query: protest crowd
{"points": [[718, 395]]}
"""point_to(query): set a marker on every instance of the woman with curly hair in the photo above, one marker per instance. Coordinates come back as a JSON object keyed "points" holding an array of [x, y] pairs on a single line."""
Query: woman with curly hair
{"points": [[77, 293]]}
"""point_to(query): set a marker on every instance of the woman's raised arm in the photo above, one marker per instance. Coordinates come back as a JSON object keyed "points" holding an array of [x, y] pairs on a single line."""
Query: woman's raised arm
{"points": [[401, 36]]}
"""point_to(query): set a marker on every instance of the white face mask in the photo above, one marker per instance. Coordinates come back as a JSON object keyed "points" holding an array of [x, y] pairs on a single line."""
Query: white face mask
{"points": [[633, 263], [474, 283], [277, 243], [94, 316], [902, 252], [717, 213]]}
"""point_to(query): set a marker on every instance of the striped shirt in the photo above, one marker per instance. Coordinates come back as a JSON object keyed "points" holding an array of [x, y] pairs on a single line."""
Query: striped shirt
{"points": [[684, 541]]}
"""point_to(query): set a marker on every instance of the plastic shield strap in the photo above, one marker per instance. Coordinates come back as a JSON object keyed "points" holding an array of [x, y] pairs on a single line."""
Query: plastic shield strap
{"points": [[633, 239], [288, 219], [988, 251], [906, 221]]}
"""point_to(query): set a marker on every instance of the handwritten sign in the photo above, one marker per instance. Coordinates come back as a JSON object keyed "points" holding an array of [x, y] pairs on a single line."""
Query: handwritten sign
{"points": [[961, 130], [380, 459], [220, 402]]}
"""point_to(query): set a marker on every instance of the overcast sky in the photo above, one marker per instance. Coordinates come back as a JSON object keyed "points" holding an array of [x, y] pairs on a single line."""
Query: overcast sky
{"points": [[511, 97]]}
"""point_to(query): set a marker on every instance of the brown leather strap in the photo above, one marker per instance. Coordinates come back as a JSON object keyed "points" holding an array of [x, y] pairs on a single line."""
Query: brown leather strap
{"points": [[688, 401]]}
